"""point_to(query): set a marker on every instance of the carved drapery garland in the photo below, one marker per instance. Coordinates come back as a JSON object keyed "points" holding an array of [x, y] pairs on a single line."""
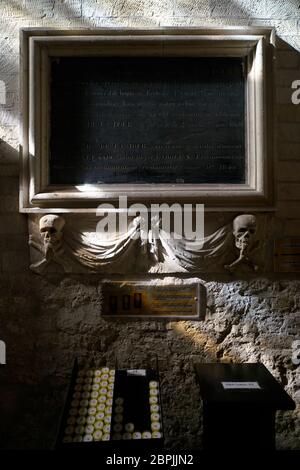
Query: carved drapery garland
{"points": [[75, 247]]}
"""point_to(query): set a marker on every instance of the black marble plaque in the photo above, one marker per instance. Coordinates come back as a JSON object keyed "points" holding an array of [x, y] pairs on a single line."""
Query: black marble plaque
{"points": [[147, 120]]}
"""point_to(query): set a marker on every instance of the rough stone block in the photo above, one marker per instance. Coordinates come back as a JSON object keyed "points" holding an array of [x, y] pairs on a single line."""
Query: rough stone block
{"points": [[13, 224], [288, 132], [286, 77], [170, 21], [9, 34], [9, 68], [290, 41], [288, 171], [9, 87], [120, 9], [284, 94], [238, 9], [22, 11], [9, 203], [18, 242], [9, 185], [8, 156], [15, 261], [282, 9], [68, 8], [289, 191], [287, 59], [37, 9], [8, 170], [288, 113], [12, 9], [9, 144], [288, 150], [288, 209], [281, 27], [8, 110], [228, 22], [188, 9], [292, 228]]}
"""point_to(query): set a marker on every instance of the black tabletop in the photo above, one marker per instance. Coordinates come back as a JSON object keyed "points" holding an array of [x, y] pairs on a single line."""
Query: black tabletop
{"points": [[241, 384]]}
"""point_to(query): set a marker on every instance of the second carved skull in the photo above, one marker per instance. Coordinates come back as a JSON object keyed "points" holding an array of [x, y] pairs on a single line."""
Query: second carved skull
{"points": [[244, 231]]}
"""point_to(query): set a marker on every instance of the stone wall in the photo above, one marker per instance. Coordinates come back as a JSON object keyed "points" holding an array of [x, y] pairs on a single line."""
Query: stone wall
{"points": [[47, 321]]}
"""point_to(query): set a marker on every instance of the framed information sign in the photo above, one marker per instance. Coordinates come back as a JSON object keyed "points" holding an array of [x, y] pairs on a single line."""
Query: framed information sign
{"points": [[154, 114], [155, 120]]}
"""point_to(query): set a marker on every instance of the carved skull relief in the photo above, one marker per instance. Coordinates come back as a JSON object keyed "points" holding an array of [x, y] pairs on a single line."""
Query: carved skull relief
{"points": [[51, 226], [245, 236], [244, 231]]}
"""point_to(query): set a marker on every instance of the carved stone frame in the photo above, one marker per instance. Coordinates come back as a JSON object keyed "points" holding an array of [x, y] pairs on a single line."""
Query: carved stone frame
{"points": [[38, 45]]}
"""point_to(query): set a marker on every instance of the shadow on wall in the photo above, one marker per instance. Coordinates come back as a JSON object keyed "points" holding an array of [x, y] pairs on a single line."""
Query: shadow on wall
{"points": [[13, 226], [8, 155], [64, 321]]}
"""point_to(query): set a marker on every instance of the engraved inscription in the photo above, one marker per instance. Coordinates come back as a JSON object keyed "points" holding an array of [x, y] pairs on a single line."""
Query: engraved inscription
{"points": [[147, 120]]}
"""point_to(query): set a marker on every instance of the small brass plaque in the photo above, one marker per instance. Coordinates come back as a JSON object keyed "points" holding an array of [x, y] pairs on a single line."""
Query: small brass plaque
{"points": [[287, 255], [139, 300]]}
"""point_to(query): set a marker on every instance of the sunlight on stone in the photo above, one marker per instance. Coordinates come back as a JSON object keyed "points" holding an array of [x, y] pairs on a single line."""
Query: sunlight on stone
{"points": [[86, 187], [2, 92], [10, 135], [132, 8], [286, 28], [211, 347], [201, 340], [7, 118]]}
